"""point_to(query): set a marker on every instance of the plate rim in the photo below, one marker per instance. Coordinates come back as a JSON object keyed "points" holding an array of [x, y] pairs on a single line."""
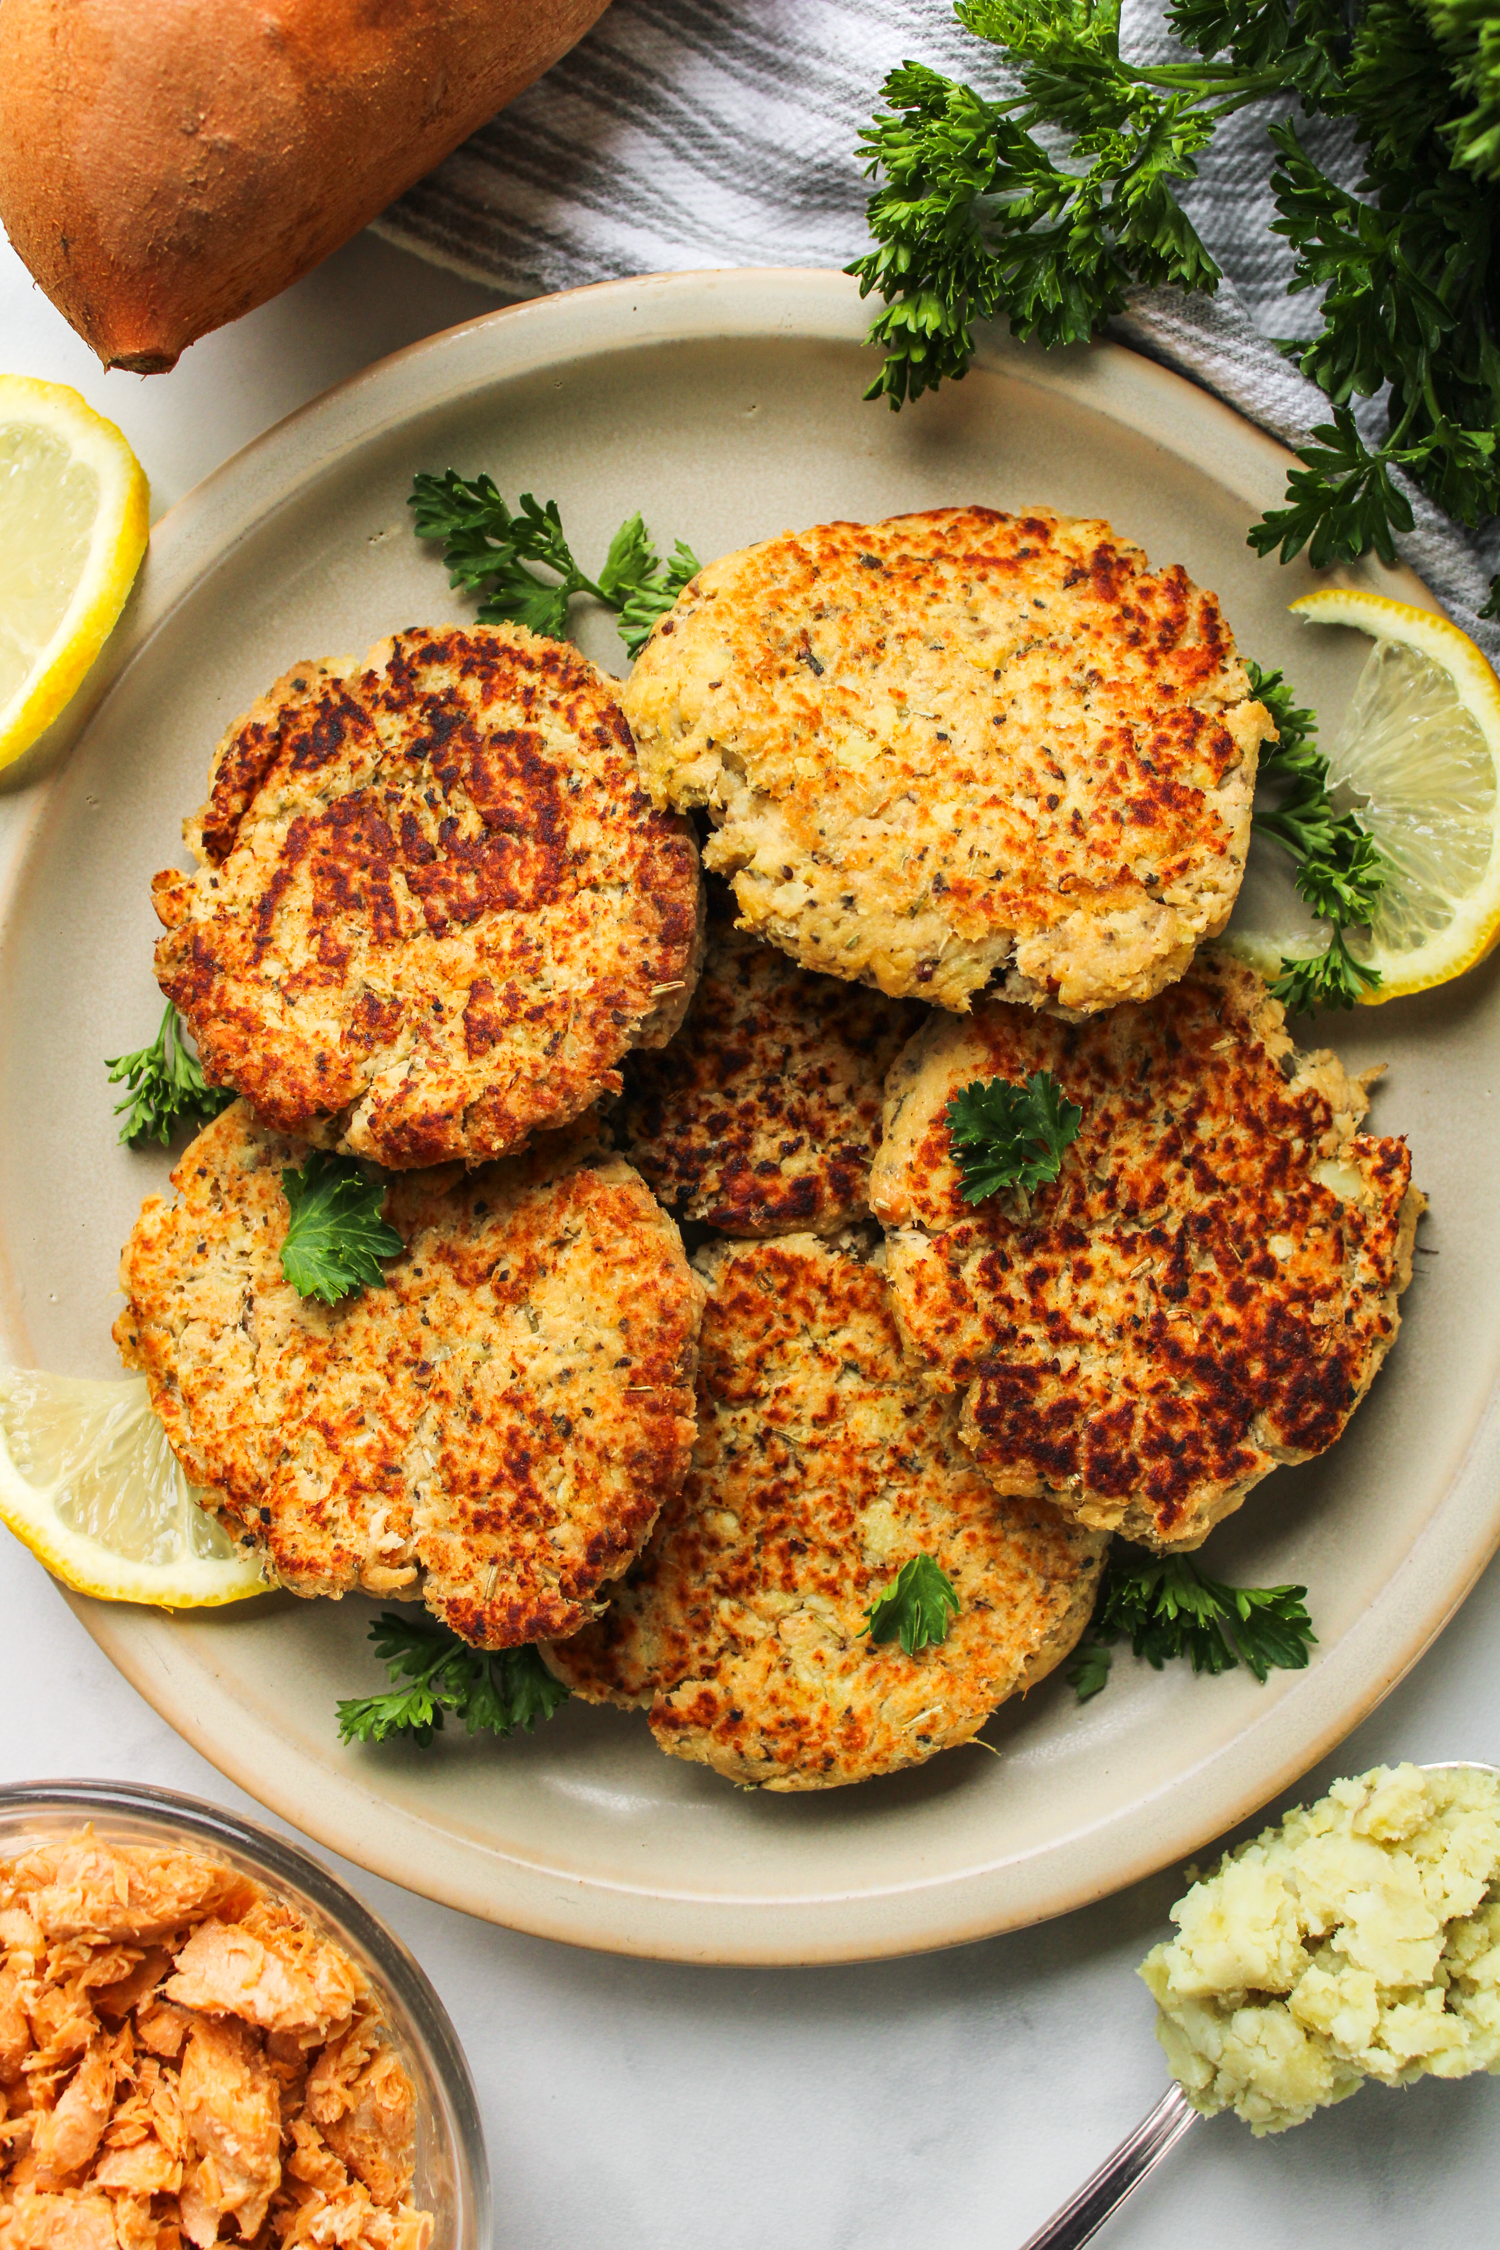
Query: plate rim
{"points": [[345, 1813]]}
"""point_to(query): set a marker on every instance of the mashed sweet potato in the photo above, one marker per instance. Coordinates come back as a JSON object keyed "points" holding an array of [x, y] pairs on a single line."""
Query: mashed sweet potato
{"points": [[1360, 1939]]}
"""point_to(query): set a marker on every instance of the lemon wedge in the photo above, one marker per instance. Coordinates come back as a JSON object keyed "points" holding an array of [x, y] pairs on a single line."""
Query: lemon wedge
{"points": [[88, 1482], [1418, 760], [73, 524]]}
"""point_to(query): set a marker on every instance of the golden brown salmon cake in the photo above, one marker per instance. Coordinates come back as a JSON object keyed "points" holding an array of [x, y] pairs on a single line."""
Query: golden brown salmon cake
{"points": [[434, 906], [1205, 1291], [493, 1431], [960, 746], [763, 1114], [824, 1463]]}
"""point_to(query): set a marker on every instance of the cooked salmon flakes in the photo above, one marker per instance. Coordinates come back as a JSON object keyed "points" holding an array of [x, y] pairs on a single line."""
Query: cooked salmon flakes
{"points": [[184, 2060]]}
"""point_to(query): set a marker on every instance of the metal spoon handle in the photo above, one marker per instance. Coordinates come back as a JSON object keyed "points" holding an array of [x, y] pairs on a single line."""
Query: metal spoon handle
{"points": [[1104, 2191]]}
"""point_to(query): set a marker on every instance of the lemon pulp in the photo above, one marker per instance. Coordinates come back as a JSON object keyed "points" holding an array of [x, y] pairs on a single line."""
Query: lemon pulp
{"points": [[73, 527], [88, 1481], [1421, 778]]}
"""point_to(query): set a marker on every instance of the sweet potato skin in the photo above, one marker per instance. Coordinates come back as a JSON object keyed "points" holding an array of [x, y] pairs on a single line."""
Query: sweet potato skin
{"points": [[166, 166]]}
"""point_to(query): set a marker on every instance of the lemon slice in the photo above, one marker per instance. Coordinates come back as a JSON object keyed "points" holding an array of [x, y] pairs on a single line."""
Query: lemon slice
{"points": [[73, 524], [88, 1482], [1418, 760]]}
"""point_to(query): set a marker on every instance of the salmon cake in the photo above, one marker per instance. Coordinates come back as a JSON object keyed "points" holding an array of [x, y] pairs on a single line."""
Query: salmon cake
{"points": [[433, 905], [1205, 1291], [823, 1464], [492, 1431], [960, 749], [763, 1115]]}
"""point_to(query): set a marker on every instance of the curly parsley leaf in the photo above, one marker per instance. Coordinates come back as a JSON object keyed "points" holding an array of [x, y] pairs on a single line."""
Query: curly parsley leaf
{"points": [[165, 1087], [434, 1674], [1006, 1136], [1337, 866], [1044, 203], [1468, 34], [1088, 1668], [916, 1608], [653, 594], [489, 548], [1334, 979], [336, 1237], [1167, 1608]]}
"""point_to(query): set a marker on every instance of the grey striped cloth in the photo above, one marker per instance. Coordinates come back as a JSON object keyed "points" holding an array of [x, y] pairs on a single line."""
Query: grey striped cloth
{"points": [[686, 133]]}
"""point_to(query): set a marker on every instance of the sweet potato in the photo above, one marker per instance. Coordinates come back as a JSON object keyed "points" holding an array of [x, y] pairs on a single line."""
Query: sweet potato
{"points": [[165, 165]]}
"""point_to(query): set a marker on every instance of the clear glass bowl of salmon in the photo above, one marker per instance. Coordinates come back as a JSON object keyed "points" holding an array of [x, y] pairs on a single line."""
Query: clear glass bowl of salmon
{"points": [[206, 2038]]}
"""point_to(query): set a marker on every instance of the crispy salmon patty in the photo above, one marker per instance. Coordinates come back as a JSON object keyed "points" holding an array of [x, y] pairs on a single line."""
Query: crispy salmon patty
{"points": [[960, 747], [492, 1431], [1207, 1289], [434, 906], [824, 1463], [763, 1114]]}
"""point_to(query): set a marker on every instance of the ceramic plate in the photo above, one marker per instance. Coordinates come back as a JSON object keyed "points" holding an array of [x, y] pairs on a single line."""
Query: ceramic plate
{"points": [[727, 407]]}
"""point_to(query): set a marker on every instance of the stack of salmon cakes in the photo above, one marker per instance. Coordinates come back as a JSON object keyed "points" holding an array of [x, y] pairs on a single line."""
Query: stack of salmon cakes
{"points": [[695, 1344]]}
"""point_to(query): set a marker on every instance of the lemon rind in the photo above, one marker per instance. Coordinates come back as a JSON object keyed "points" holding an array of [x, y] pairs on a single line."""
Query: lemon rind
{"points": [[121, 531], [1478, 691], [87, 1567]]}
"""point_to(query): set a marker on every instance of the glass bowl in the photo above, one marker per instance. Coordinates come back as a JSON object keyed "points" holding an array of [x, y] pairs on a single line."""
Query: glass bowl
{"points": [[452, 2177]]}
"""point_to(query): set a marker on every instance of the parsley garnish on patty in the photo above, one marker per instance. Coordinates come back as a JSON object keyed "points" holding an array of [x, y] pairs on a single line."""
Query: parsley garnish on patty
{"points": [[1010, 1136], [337, 1236]]}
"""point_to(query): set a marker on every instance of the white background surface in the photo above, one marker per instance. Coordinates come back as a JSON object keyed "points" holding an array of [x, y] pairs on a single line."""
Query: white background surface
{"points": [[948, 2102]]}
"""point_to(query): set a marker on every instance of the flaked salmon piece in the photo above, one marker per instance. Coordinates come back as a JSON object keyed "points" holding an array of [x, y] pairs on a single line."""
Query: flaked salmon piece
{"points": [[66, 2137], [20, 1932], [15, 2028], [63, 2023], [144, 2169], [361, 2098], [321, 2205], [232, 2110], [162, 2028], [135, 2228], [87, 1888], [118, 1994], [148, 2111], [57, 2222], [269, 1969], [312, 2162]]}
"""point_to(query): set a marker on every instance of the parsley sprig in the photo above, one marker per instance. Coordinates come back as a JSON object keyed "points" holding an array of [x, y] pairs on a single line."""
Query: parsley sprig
{"points": [[165, 1087], [1338, 869], [336, 1237], [488, 547], [979, 213], [434, 1675], [1166, 1607], [917, 1608], [1006, 1136]]}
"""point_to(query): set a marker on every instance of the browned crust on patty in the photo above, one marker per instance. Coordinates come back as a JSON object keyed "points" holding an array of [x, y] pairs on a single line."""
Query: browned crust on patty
{"points": [[434, 906], [493, 1431], [823, 1463], [1206, 1291], [959, 746], [763, 1115]]}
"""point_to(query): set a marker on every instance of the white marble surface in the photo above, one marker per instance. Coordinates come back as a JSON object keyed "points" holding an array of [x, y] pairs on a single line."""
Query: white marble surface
{"points": [[950, 2101]]}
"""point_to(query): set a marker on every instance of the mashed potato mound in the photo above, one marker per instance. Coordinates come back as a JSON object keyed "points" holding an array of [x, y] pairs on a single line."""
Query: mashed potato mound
{"points": [[1360, 1939]]}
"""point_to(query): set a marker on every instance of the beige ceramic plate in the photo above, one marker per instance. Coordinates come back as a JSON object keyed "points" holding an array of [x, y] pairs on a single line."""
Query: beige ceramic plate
{"points": [[727, 406]]}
